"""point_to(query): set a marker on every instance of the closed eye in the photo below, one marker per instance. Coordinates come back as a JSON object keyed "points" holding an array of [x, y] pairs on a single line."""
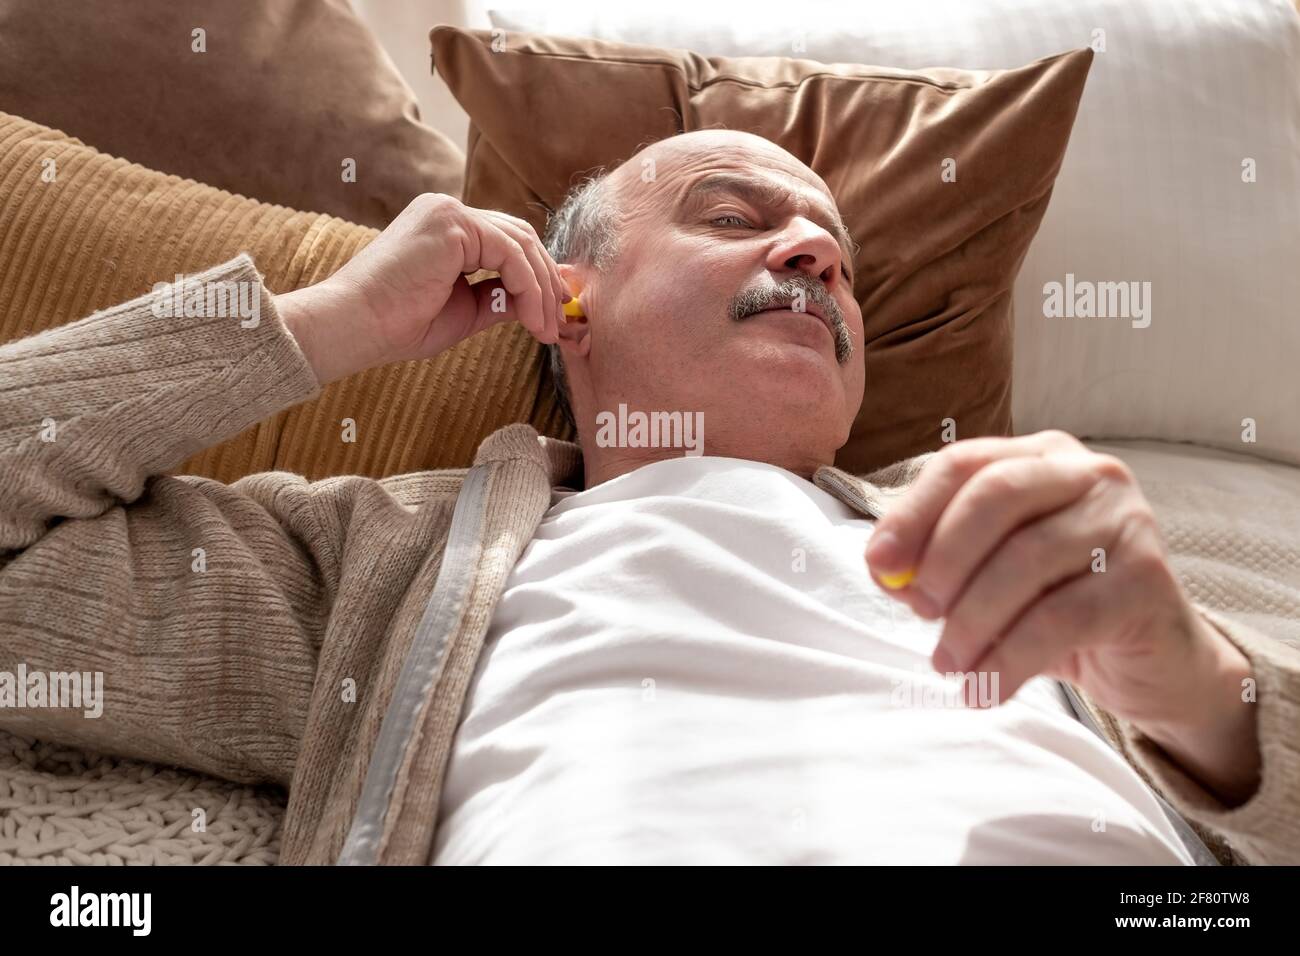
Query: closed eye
{"points": [[745, 224]]}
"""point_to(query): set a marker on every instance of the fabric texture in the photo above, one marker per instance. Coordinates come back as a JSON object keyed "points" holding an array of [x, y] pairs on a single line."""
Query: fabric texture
{"points": [[776, 707], [317, 588], [106, 230], [937, 254], [1183, 172], [280, 96], [61, 805]]}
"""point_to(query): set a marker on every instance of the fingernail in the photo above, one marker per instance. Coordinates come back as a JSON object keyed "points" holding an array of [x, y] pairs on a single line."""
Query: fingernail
{"points": [[943, 662], [882, 549]]}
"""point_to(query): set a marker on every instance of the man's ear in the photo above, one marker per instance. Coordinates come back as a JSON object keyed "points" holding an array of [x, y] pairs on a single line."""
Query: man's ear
{"points": [[577, 327]]}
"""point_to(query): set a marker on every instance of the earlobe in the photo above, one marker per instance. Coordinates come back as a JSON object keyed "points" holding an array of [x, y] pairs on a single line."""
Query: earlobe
{"points": [[577, 330]]}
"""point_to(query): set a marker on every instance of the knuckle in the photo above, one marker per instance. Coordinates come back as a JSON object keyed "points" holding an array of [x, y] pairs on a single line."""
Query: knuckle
{"points": [[1146, 561], [525, 225], [1110, 468], [958, 460], [1058, 439], [514, 248], [435, 202], [994, 484], [1139, 516], [1141, 546], [521, 226]]}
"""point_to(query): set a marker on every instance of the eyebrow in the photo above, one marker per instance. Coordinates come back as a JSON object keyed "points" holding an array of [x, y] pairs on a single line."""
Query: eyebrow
{"points": [[767, 193]]}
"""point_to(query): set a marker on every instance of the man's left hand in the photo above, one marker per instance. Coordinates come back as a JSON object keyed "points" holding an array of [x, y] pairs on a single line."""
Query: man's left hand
{"points": [[1044, 557]]}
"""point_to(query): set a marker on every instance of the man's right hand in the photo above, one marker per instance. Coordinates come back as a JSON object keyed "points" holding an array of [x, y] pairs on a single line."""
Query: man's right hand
{"points": [[405, 296]]}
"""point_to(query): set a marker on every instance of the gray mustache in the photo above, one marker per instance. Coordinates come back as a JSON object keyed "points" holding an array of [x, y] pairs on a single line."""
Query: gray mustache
{"points": [[782, 296]]}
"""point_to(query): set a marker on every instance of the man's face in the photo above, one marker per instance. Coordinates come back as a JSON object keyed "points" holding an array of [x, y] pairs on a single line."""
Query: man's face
{"points": [[715, 225]]}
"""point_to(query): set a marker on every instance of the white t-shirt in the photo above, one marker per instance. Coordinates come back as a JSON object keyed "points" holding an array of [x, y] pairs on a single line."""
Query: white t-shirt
{"points": [[691, 664]]}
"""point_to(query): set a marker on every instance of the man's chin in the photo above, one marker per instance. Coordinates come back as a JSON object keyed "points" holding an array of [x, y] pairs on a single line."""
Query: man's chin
{"points": [[796, 372]]}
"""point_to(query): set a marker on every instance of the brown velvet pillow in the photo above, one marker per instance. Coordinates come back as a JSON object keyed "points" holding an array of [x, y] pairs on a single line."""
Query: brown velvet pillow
{"points": [[938, 258], [285, 92]]}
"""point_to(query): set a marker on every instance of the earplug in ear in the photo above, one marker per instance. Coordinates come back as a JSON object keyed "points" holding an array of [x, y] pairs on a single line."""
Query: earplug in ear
{"points": [[573, 309]]}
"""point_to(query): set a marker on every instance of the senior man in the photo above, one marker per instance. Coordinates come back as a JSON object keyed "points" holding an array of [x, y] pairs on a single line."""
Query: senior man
{"points": [[620, 652]]}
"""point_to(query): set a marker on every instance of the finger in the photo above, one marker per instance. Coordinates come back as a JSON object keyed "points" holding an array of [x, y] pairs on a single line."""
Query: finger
{"points": [[550, 296], [1034, 559], [524, 237], [986, 510], [899, 539], [487, 293], [503, 254], [1064, 622], [548, 276], [561, 286]]}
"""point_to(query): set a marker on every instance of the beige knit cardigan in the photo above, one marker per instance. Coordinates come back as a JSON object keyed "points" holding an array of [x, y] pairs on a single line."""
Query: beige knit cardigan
{"points": [[257, 631]]}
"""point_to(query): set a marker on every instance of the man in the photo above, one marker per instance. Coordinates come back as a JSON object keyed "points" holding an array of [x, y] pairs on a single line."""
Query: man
{"points": [[686, 660]]}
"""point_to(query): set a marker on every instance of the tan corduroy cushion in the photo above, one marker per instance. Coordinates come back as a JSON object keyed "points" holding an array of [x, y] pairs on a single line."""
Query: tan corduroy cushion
{"points": [[105, 230], [938, 256]]}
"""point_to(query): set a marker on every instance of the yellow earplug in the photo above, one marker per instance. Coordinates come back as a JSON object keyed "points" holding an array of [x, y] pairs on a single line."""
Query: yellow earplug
{"points": [[898, 580], [573, 309]]}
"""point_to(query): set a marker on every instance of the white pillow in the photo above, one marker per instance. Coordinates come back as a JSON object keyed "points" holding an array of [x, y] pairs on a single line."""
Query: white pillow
{"points": [[1151, 191]]}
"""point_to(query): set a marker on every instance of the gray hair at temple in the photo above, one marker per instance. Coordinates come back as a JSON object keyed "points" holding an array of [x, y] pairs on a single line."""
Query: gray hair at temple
{"points": [[584, 230]]}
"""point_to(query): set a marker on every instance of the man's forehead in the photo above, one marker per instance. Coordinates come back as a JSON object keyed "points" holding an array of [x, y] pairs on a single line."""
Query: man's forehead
{"points": [[697, 165], [678, 160]]}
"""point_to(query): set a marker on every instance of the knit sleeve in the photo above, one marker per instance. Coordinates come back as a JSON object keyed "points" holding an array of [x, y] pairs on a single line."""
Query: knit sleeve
{"points": [[90, 410], [1266, 828], [186, 614]]}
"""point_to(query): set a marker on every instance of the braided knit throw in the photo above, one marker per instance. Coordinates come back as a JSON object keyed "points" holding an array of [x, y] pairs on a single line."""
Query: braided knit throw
{"points": [[60, 805]]}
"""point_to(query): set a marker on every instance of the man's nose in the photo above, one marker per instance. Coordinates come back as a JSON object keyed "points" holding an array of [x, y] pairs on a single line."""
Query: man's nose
{"points": [[810, 249]]}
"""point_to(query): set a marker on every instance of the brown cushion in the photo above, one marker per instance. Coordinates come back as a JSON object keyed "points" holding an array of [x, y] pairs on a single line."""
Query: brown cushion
{"points": [[106, 230], [285, 92], [937, 259]]}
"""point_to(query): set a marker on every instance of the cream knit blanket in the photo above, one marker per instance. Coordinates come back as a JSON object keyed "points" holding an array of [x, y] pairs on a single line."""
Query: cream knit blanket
{"points": [[59, 805]]}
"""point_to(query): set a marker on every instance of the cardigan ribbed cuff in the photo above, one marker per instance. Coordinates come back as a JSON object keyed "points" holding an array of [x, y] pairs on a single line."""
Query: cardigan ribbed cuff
{"points": [[133, 391], [1266, 828]]}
